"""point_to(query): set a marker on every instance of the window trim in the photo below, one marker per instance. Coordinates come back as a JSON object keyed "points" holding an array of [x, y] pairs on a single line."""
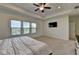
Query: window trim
{"points": [[23, 28], [30, 32], [32, 28], [11, 29]]}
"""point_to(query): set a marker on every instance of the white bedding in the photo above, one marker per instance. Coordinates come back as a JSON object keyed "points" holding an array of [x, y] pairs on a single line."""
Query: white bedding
{"points": [[6, 47], [20, 48], [23, 46], [37, 47]]}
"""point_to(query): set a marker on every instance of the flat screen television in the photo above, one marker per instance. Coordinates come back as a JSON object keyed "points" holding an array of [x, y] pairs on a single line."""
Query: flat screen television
{"points": [[52, 24]]}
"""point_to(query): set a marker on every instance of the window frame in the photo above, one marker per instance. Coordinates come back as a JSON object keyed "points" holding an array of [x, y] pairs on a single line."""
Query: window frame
{"points": [[30, 32], [11, 29], [23, 28], [33, 28]]}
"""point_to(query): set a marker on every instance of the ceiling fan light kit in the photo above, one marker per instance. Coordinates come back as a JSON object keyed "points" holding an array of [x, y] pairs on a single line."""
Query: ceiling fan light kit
{"points": [[41, 6], [59, 7]]}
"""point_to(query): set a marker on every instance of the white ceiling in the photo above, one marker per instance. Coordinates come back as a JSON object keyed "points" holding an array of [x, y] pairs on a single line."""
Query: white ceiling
{"points": [[28, 8]]}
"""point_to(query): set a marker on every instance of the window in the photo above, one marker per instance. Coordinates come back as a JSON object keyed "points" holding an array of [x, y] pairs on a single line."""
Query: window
{"points": [[22, 27], [33, 28], [26, 27], [15, 27]]}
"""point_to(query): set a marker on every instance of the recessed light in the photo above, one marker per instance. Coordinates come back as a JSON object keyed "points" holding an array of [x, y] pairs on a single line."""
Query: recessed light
{"points": [[59, 7]]}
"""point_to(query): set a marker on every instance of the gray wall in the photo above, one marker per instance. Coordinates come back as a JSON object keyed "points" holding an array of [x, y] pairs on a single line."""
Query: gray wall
{"points": [[5, 26], [62, 30], [76, 20]]}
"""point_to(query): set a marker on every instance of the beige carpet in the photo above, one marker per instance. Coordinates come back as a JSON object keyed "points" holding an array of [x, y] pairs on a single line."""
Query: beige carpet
{"points": [[59, 46]]}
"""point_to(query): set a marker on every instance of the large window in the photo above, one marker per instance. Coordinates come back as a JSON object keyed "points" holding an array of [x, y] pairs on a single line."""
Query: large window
{"points": [[15, 27], [33, 28], [26, 27], [22, 27]]}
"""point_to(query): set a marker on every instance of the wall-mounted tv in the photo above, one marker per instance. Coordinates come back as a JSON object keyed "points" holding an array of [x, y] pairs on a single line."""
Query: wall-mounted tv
{"points": [[52, 24]]}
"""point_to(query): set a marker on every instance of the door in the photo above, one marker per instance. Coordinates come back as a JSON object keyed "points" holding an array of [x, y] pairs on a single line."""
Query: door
{"points": [[72, 30]]}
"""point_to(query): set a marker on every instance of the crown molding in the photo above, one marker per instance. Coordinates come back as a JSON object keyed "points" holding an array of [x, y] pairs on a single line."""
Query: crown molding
{"points": [[58, 14], [21, 10]]}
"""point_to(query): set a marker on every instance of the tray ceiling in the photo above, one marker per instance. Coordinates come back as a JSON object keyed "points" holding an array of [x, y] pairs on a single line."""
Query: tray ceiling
{"points": [[56, 9]]}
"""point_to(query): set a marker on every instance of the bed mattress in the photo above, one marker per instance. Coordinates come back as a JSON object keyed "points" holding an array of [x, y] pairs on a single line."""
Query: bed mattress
{"points": [[23, 46]]}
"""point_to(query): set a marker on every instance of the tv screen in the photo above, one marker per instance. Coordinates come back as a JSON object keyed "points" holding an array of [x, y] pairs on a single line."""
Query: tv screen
{"points": [[53, 24]]}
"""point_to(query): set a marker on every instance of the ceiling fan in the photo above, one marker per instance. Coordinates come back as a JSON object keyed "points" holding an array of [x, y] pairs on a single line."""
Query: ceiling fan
{"points": [[76, 7], [41, 6]]}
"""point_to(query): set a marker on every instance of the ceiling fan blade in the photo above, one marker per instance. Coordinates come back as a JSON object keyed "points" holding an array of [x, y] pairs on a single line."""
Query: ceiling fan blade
{"points": [[47, 7], [42, 11], [36, 9], [40, 4], [76, 7], [35, 4], [44, 3]]}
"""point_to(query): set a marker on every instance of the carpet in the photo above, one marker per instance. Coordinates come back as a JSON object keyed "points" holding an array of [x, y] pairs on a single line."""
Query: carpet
{"points": [[59, 46]]}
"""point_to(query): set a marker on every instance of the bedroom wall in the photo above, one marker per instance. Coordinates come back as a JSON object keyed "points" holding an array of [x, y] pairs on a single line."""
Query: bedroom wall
{"points": [[76, 20], [5, 29], [62, 30]]}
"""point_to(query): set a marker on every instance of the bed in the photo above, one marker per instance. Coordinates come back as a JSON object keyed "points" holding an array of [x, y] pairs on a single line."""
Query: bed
{"points": [[23, 45]]}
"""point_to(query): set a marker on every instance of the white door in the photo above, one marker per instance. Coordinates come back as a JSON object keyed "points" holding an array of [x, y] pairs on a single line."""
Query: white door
{"points": [[72, 30]]}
